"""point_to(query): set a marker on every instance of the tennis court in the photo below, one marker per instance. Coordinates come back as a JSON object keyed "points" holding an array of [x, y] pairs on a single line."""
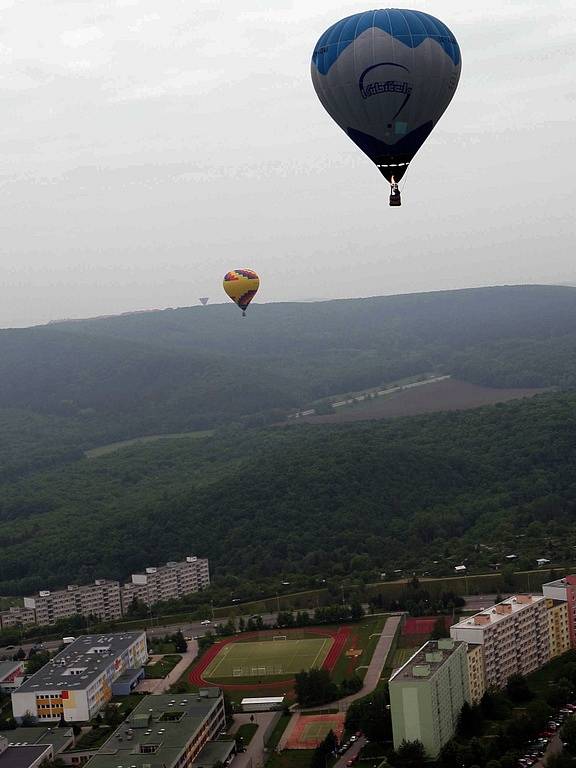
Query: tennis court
{"points": [[310, 730], [269, 657]]}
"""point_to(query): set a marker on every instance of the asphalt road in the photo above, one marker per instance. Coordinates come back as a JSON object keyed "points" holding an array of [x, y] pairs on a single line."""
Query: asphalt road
{"points": [[350, 753]]}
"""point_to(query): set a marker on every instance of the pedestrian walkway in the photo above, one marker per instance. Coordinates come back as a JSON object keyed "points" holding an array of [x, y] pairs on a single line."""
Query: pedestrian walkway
{"points": [[162, 684]]}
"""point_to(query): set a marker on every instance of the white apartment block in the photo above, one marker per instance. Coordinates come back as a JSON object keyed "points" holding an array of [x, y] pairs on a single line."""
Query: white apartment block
{"points": [[514, 636], [168, 582], [101, 599], [77, 682]]}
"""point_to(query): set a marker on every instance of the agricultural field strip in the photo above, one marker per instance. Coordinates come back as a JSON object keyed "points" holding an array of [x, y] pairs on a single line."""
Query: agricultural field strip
{"points": [[259, 653]]}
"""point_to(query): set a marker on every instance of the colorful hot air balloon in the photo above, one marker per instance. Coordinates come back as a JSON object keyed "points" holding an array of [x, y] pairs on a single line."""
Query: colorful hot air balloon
{"points": [[386, 77], [241, 286]]}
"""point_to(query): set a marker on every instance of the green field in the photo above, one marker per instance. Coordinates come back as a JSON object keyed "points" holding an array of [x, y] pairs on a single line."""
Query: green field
{"points": [[104, 450], [269, 657]]}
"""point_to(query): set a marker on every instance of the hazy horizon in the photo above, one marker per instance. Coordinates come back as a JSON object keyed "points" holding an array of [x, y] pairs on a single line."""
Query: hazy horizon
{"points": [[146, 152]]}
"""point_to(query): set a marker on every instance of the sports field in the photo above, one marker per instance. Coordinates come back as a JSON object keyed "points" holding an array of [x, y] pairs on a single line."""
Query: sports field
{"points": [[269, 657]]}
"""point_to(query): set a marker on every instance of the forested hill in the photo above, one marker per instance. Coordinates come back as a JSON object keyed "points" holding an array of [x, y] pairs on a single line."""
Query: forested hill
{"points": [[69, 386], [306, 503]]}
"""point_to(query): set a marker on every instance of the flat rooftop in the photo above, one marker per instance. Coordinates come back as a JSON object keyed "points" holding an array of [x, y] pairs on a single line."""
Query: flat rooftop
{"points": [[80, 663], [22, 757], [426, 661], [557, 583], [214, 752], [167, 721], [490, 616], [7, 667], [24, 737]]}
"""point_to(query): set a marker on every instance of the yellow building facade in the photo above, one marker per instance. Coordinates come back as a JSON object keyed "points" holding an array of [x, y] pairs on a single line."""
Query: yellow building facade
{"points": [[476, 679], [558, 629]]}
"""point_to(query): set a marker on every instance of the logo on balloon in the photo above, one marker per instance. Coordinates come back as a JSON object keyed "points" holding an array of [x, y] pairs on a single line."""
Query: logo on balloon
{"points": [[373, 83]]}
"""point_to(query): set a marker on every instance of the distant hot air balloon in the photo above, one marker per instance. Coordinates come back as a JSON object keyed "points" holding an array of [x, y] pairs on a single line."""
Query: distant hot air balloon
{"points": [[386, 77], [203, 300], [241, 286]]}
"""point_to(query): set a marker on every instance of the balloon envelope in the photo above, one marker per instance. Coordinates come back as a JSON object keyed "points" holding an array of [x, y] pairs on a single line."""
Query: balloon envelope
{"points": [[241, 286], [386, 77]]}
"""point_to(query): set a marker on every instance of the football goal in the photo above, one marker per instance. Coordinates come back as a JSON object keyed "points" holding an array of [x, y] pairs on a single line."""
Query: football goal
{"points": [[280, 637]]}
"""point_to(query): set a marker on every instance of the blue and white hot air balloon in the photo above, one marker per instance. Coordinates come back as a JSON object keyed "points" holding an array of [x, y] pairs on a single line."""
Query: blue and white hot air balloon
{"points": [[386, 77]]}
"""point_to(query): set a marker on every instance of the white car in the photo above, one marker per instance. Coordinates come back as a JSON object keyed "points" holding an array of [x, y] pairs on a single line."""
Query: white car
{"points": [[205, 622]]}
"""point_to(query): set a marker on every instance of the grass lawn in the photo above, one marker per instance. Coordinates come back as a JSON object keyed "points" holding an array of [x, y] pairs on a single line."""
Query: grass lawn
{"points": [[162, 667], [247, 731], [94, 738], [279, 729], [127, 703], [401, 656], [158, 647], [268, 658], [364, 636], [291, 758]]}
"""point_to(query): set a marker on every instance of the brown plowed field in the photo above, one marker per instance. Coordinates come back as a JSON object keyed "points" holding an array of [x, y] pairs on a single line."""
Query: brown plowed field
{"points": [[447, 395]]}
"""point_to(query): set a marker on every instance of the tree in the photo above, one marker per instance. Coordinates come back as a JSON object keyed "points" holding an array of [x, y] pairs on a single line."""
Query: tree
{"points": [[179, 642], [371, 716], [228, 709], [314, 687], [410, 754], [469, 721], [356, 610], [439, 630], [539, 713], [517, 689], [568, 734]]}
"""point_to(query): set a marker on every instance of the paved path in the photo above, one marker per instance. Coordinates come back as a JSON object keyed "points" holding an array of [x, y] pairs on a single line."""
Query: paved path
{"points": [[371, 680], [377, 662], [162, 684], [374, 671], [255, 754], [350, 753]]}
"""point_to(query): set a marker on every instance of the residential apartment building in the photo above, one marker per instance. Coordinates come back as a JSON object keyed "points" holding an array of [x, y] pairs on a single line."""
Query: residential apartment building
{"points": [[101, 599], [476, 679], [77, 682], [427, 694], [514, 636], [564, 590], [168, 582], [17, 616], [169, 731], [558, 627]]}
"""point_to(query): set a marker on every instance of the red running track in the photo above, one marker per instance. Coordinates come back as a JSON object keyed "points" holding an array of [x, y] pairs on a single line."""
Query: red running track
{"points": [[340, 637]]}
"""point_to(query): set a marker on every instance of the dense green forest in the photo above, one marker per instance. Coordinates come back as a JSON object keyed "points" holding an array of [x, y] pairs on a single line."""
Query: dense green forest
{"points": [[306, 502], [81, 384]]}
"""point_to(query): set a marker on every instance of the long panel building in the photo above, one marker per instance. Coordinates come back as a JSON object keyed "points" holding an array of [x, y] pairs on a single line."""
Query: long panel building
{"points": [[171, 581], [101, 599], [108, 600], [514, 635], [168, 732], [77, 682]]}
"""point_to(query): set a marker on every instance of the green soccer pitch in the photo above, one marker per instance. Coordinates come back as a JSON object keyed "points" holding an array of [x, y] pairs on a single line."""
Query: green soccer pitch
{"points": [[269, 657]]}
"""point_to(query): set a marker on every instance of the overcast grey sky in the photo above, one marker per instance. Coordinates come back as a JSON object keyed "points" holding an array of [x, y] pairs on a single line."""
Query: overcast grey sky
{"points": [[146, 148]]}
